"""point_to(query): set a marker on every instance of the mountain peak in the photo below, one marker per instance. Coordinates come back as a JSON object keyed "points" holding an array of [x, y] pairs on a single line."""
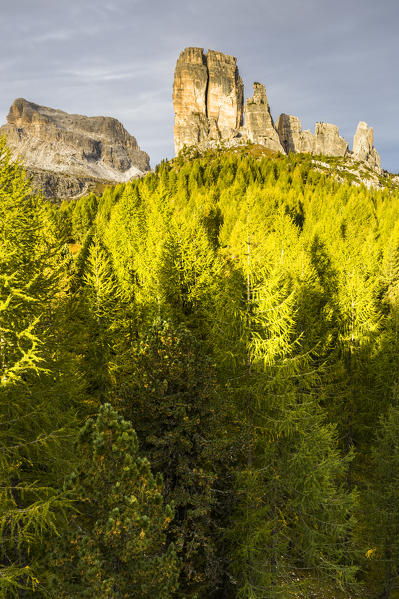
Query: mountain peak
{"points": [[71, 144], [208, 102]]}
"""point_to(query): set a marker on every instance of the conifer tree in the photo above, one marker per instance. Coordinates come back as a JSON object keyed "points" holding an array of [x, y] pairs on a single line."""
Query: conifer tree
{"points": [[30, 423], [166, 386], [101, 310], [380, 504], [115, 545]]}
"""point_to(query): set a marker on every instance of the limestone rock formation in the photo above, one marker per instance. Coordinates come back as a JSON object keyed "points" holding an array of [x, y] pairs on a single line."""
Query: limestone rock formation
{"points": [[69, 145], [207, 97], [259, 122], [225, 94], [292, 137], [60, 186], [189, 98], [363, 147], [208, 105], [328, 141]]}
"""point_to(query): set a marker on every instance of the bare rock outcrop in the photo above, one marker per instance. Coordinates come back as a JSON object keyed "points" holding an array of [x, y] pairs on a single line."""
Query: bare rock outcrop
{"points": [[225, 94], [208, 105], [363, 147], [292, 137], [259, 123], [189, 98], [328, 141], [207, 97], [79, 147]]}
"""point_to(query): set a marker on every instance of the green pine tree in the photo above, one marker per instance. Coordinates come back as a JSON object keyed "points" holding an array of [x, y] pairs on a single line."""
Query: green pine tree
{"points": [[115, 545]]}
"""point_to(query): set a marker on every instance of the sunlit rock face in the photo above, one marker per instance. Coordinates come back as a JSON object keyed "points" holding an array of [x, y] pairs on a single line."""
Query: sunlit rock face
{"points": [[363, 147], [292, 137], [189, 98], [259, 123], [207, 97], [328, 141], [71, 144], [225, 93]]}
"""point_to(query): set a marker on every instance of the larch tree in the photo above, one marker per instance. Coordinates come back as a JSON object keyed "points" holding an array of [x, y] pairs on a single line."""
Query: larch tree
{"points": [[30, 424]]}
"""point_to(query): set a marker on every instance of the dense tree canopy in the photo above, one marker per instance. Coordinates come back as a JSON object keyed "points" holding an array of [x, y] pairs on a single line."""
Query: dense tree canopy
{"points": [[239, 311]]}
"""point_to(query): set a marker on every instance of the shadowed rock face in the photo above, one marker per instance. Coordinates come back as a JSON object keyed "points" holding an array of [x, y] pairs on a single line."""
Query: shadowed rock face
{"points": [[259, 122], [207, 97], [73, 145], [363, 147]]}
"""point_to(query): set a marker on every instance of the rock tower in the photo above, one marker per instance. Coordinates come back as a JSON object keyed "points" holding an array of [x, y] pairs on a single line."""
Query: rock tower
{"points": [[363, 147], [259, 123], [207, 97], [209, 108]]}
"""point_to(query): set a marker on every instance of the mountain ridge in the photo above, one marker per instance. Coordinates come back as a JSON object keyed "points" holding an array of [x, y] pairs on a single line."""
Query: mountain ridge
{"points": [[75, 146], [208, 99]]}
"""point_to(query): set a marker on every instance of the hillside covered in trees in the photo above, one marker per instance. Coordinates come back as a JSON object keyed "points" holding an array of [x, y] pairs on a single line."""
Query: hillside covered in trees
{"points": [[199, 384]]}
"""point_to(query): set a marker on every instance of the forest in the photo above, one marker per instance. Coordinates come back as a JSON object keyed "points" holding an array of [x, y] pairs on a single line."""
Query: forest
{"points": [[200, 384]]}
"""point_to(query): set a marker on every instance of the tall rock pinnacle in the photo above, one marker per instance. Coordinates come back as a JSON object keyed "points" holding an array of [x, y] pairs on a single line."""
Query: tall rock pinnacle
{"points": [[207, 97], [259, 122], [189, 98], [363, 147], [225, 93], [208, 103]]}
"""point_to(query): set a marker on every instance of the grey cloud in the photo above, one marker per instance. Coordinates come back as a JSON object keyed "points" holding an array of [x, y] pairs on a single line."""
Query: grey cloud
{"points": [[321, 60]]}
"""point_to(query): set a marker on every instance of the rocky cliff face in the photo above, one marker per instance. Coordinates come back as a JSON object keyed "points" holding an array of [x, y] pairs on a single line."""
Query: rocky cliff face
{"points": [[78, 147], [208, 104], [189, 98], [292, 137], [326, 139], [207, 97], [225, 94], [363, 147], [259, 123]]}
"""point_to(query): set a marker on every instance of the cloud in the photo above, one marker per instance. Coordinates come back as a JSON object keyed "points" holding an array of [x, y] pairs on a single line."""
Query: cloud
{"points": [[320, 60], [54, 36]]}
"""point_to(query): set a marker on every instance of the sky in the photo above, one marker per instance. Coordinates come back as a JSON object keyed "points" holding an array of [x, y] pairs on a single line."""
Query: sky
{"points": [[321, 60]]}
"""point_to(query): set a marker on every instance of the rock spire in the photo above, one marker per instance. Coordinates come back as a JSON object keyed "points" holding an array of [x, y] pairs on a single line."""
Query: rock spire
{"points": [[259, 123], [328, 140], [225, 94], [208, 105], [207, 97], [363, 147], [292, 137]]}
